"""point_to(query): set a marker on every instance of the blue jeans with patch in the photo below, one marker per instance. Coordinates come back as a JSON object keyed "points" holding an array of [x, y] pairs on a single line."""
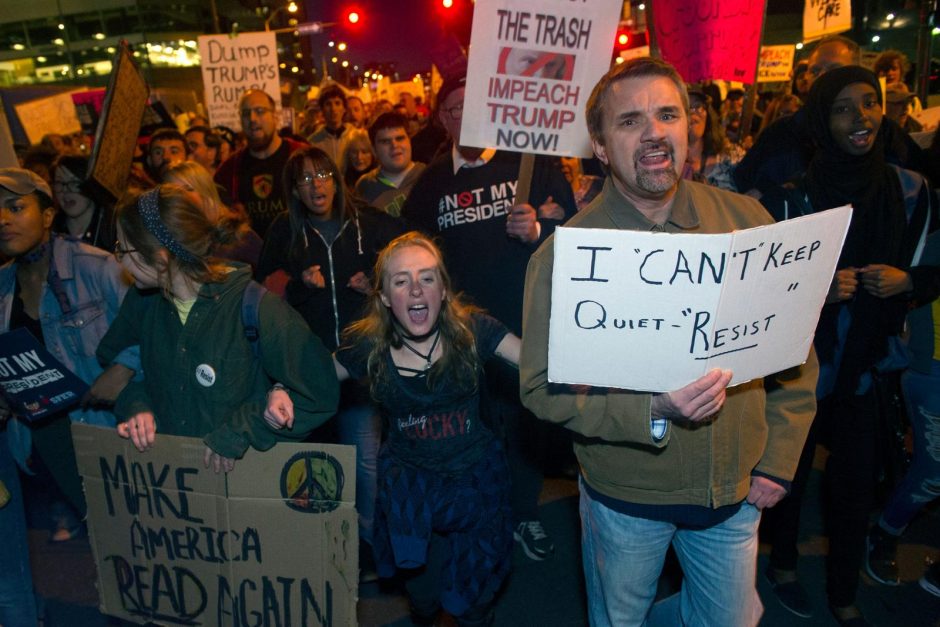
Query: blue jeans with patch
{"points": [[921, 484], [17, 603], [623, 557]]}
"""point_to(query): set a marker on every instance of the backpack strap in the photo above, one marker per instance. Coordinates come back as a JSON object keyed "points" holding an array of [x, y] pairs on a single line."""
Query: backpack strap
{"points": [[251, 308]]}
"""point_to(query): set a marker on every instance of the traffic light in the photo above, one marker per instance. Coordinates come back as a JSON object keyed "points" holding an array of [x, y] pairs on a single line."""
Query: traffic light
{"points": [[447, 4], [353, 17]]}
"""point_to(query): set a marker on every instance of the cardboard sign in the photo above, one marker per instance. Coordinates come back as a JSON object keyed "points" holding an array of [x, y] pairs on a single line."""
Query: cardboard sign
{"points": [[929, 118], [274, 542], [33, 382], [654, 312], [233, 65], [710, 40], [7, 154], [776, 63], [53, 114], [826, 17], [118, 125], [532, 67]]}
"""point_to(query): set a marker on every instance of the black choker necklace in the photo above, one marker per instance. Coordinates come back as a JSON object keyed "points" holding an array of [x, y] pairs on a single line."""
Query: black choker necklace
{"points": [[403, 334], [426, 358]]}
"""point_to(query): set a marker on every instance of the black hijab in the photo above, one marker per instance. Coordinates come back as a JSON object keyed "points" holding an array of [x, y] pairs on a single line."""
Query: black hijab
{"points": [[835, 178], [876, 234]]}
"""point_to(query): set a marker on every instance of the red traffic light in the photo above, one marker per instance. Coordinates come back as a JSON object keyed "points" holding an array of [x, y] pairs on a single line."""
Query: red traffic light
{"points": [[353, 16], [623, 39], [447, 3]]}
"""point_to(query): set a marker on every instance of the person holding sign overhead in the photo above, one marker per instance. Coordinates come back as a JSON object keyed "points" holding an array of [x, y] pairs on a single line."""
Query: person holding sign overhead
{"points": [[691, 468]]}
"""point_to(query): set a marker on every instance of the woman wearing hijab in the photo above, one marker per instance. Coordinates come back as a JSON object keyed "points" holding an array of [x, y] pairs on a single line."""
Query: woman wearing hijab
{"points": [[865, 309]]}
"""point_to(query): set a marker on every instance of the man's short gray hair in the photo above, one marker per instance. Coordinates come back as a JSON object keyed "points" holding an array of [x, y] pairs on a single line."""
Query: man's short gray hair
{"points": [[641, 67]]}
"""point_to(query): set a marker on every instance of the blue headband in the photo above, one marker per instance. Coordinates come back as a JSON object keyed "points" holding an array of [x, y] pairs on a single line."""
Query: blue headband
{"points": [[149, 207]]}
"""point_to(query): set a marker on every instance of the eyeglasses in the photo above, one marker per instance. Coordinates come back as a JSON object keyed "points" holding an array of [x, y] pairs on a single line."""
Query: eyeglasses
{"points": [[68, 186], [697, 107], [306, 179], [455, 112], [259, 111], [120, 251]]}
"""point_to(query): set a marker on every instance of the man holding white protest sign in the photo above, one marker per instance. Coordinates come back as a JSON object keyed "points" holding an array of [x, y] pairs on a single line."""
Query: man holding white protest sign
{"points": [[692, 467]]}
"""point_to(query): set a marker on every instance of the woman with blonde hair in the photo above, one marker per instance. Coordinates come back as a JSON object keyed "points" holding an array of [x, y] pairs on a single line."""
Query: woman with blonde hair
{"points": [[241, 243], [443, 516], [357, 159]]}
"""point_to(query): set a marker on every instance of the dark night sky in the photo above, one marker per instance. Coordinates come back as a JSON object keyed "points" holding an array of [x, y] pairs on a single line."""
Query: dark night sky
{"points": [[399, 31]]}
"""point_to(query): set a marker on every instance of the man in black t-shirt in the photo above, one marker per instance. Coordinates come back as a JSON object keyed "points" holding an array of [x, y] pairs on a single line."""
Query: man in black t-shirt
{"points": [[252, 176]]}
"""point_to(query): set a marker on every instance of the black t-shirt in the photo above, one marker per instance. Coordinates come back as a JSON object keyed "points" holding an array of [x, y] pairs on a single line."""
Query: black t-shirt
{"points": [[437, 429], [261, 188]]}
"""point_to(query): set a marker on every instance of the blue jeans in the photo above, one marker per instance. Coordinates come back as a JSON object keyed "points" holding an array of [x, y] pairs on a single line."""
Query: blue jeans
{"points": [[623, 557], [360, 424], [17, 603], [921, 484]]}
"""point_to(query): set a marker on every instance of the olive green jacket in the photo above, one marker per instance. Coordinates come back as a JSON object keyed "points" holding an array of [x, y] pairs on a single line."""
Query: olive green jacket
{"points": [[201, 379], [706, 464]]}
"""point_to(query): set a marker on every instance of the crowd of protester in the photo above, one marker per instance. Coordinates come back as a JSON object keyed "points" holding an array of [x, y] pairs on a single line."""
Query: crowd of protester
{"points": [[375, 307]]}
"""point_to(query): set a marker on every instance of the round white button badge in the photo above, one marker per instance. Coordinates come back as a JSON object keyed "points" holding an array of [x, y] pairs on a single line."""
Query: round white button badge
{"points": [[205, 375]]}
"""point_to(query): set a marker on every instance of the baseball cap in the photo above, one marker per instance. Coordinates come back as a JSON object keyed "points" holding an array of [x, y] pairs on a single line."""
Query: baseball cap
{"points": [[898, 93], [22, 182]]}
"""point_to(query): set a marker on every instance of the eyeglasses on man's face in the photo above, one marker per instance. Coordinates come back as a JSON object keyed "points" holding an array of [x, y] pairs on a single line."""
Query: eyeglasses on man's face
{"points": [[258, 111]]}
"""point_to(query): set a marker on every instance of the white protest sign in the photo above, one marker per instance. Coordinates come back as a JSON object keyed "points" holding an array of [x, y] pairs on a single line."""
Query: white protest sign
{"points": [[826, 17], [653, 311], [776, 63], [52, 114], [532, 66], [233, 65]]}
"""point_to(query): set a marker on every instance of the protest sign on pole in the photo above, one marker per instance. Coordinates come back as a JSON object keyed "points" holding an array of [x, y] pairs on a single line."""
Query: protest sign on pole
{"points": [[654, 312], [710, 40], [33, 382], [52, 114], [274, 542], [532, 66], [118, 125], [233, 65], [826, 17], [776, 63]]}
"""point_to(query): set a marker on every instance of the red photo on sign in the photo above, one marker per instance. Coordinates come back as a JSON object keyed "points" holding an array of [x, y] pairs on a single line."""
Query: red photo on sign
{"points": [[535, 64]]}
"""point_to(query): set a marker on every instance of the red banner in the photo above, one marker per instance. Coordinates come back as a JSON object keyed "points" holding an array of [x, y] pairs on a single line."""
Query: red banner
{"points": [[710, 39]]}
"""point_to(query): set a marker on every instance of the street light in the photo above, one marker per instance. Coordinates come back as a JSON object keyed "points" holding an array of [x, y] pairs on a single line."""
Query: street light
{"points": [[290, 8]]}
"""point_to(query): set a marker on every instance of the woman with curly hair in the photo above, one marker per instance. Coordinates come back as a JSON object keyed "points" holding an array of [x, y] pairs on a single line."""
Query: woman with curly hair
{"points": [[443, 516]]}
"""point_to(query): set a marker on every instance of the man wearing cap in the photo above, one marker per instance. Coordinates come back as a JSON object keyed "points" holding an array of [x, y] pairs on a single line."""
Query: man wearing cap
{"points": [[898, 101], [252, 175], [466, 197], [691, 468], [65, 293]]}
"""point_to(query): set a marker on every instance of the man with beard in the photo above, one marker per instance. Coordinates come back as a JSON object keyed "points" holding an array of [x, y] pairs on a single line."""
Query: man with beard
{"points": [[691, 468], [252, 175]]}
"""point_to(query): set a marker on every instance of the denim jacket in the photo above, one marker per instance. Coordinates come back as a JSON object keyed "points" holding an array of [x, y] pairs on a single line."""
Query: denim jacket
{"points": [[93, 283]]}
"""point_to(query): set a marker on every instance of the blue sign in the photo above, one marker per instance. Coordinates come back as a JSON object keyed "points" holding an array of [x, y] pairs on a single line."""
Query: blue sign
{"points": [[32, 381]]}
